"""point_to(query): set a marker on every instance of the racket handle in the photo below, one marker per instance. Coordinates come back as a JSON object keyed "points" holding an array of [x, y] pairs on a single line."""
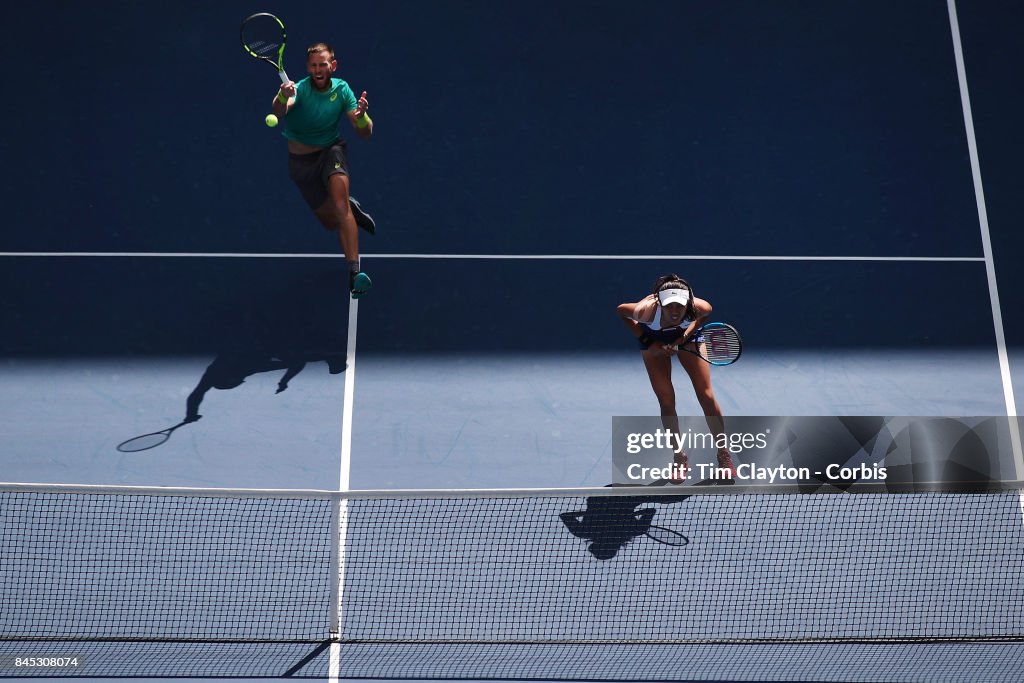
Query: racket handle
{"points": [[283, 75]]}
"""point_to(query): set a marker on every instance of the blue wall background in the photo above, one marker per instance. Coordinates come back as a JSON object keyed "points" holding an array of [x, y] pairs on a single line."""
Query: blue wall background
{"points": [[534, 127]]}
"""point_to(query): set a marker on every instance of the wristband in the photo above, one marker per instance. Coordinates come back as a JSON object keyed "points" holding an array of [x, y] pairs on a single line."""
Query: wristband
{"points": [[282, 100], [363, 121]]}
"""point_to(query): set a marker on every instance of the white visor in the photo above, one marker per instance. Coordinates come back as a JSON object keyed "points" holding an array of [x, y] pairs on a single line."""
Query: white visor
{"points": [[674, 296]]}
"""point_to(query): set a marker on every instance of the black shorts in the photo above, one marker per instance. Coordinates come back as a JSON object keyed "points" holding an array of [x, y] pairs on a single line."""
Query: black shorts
{"points": [[668, 336], [311, 172]]}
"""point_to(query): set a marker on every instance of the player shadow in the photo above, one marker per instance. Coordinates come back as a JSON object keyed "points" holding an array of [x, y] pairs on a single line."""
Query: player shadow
{"points": [[609, 523], [285, 326], [284, 332], [230, 369]]}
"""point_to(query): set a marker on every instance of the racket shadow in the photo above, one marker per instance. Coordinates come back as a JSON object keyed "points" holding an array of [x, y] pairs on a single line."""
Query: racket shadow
{"points": [[666, 536], [148, 441]]}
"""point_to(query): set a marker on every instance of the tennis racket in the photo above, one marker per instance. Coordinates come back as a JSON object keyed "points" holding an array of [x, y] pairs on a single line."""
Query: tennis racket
{"points": [[667, 536], [721, 346], [147, 441], [263, 37]]}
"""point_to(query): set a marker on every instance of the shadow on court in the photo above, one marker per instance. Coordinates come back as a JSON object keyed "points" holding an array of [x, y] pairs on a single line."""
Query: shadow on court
{"points": [[250, 344]]}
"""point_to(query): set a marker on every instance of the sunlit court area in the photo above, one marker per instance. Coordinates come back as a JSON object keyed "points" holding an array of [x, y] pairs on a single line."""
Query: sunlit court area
{"points": [[237, 445]]}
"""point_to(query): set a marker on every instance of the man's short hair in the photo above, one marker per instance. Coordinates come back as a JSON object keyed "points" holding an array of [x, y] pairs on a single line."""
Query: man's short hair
{"points": [[320, 47]]}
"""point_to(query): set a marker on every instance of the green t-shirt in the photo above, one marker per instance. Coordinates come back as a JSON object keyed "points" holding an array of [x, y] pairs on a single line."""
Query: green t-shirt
{"points": [[313, 119]]}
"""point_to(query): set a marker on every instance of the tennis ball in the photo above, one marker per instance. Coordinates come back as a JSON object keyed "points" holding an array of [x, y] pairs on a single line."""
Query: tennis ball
{"points": [[271, 120]]}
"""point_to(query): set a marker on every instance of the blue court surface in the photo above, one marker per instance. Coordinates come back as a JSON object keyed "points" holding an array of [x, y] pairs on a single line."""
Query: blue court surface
{"points": [[840, 180]]}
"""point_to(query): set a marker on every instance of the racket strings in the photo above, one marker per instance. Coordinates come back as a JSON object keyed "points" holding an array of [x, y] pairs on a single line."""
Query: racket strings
{"points": [[263, 36], [721, 344], [264, 48]]}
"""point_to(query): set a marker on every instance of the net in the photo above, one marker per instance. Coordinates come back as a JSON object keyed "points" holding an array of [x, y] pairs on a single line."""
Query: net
{"points": [[529, 585], [147, 567], [865, 567]]}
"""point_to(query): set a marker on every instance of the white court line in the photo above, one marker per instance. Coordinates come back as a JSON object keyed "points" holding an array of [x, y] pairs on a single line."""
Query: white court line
{"points": [[339, 532], [986, 242], [350, 391], [501, 257], [674, 257]]}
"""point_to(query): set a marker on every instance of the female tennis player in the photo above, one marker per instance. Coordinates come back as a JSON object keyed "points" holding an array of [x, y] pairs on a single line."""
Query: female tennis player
{"points": [[660, 320]]}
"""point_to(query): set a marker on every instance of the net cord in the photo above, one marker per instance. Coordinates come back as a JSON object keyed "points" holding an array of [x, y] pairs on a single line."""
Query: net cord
{"points": [[369, 494]]}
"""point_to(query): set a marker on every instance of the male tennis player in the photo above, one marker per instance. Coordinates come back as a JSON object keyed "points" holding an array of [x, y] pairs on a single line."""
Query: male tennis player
{"points": [[665, 317], [317, 159]]}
